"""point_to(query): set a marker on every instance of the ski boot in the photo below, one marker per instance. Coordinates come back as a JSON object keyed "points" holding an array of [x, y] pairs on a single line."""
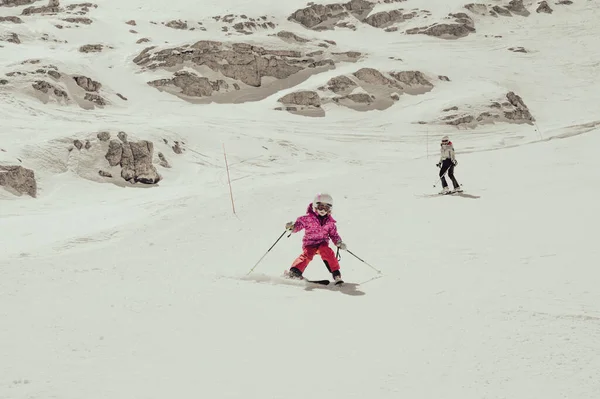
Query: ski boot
{"points": [[457, 189], [445, 191], [294, 273], [337, 277]]}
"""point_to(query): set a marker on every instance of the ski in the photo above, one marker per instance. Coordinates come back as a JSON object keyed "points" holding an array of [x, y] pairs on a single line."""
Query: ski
{"points": [[320, 282]]}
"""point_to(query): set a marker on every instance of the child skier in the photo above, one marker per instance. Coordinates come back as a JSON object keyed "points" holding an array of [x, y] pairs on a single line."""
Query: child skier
{"points": [[319, 227], [447, 163]]}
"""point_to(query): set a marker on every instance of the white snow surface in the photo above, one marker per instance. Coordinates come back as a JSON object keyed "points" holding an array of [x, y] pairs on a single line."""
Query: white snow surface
{"points": [[111, 292]]}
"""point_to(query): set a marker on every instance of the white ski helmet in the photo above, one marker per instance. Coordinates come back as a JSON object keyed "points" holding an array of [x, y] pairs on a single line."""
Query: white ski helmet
{"points": [[322, 204], [445, 139]]}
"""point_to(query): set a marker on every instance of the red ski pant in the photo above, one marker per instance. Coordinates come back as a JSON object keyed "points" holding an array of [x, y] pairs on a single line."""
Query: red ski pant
{"points": [[309, 253]]}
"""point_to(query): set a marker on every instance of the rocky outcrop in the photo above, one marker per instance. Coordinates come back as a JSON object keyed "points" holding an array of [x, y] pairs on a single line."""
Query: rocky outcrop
{"points": [[41, 10], [291, 37], [544, 7], [134, 158], [323, 17], [18, 180], [513, 7], [385, 19], [511, 109], [87, 84], [234, 67], [48, 88], [191, 84], [10, 38], [462, 26], [14, 20], [16, 3], [304, 98], [91, 48]]}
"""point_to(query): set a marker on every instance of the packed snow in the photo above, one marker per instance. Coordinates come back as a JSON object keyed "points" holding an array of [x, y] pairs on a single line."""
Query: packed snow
{"points": [[113, 290]]}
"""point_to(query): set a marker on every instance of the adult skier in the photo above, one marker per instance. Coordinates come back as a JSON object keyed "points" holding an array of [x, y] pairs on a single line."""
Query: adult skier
{"points": [[319, 227], [447, 163]]}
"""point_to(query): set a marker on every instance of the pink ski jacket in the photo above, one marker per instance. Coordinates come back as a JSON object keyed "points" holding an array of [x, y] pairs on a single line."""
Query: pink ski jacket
{"points": [[317, 230]]}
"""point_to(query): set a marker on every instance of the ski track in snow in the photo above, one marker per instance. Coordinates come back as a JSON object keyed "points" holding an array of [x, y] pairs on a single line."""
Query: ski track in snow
{"points": [[114, 292]]}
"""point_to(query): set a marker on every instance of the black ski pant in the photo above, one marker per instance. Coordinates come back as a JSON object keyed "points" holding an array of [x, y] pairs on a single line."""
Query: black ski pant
{"points": [[447, 165]]}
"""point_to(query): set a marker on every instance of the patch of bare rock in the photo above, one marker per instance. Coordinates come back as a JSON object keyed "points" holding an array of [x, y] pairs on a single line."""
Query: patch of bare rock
{"points": [[13, 19], [510, 109], [209, 71], [48, 84], [18, 180], [320, 17], [364, 90], [458, 25], [510, 8]]}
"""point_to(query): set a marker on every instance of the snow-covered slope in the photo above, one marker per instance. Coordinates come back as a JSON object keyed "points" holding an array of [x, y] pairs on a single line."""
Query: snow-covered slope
{"points": [[110, 289]]}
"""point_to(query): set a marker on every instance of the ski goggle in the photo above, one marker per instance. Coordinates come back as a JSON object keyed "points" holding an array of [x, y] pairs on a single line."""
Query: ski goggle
{"points": [[323, 207], [445, 141]]}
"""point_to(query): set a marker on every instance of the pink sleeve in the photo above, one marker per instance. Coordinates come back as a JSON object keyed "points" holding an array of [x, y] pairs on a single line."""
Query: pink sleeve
{"points": [[298, 225], [335, 237]]}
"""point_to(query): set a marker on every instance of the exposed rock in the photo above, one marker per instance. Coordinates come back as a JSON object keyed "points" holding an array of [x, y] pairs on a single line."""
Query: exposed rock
{"points": [[501, 11], [18, 179], [46, 88], [16, 3], [411, 78], [122, 97], [143, 40], [461, 120], [517, 7], [105, 173], [455, 108], [384, 19], [520, 113], [78, 20], [177, 148], [87, 145], [41, 10], [78, 144], [135, 159], [91, 48], [177, 24], [3, 82], [53, 3], [305, 98], [163, 160], [144, 170], [96, 99], [443, 30], [87, 84], [12, 38], [131, 22], [191, 84], [544, 7], [321, 17], [341, 84], [517, 49], [122, 136], [444, 78], [360, 98], [477, 8], [291, 36], [115, 152], [372, 76], [14, 20], [103, 136], [237, 62], [565, 2]]}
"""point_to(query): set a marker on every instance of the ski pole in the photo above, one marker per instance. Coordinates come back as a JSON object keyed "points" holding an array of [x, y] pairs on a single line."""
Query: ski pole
{"points": [[439, 179], [377, 270], [269, 250]]}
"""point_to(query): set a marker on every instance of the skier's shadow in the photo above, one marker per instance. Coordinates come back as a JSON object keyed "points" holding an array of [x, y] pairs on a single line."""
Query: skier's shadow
{"points": [[346, 288]]}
